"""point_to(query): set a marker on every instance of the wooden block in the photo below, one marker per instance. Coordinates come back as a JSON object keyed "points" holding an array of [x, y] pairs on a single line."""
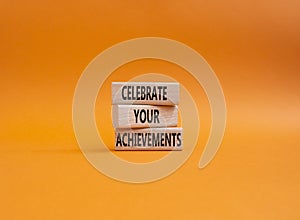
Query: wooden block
{"points": [[148, 93], [144, 116], [149, 139]]}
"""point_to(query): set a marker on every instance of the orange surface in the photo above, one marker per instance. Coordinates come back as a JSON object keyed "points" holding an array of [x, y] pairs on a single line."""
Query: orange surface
{"points": [[253, 47]]}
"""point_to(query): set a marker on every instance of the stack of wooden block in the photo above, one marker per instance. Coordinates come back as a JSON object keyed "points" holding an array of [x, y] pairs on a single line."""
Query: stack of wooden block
{"points": [[145, 116]]}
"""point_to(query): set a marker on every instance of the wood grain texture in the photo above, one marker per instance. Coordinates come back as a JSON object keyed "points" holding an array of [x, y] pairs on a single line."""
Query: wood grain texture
{"points": [[144, 116], [149, 139], [148, 93]]}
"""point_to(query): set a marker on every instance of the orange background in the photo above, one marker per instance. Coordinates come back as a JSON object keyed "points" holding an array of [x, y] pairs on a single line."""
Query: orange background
{"points": [[253, 47]]}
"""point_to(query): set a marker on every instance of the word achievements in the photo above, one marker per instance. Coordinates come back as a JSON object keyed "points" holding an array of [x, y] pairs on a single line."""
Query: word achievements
{"points": [[145, 116]]}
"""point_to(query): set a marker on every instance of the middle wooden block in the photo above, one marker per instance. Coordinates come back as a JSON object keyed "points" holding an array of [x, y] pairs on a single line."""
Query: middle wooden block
{"points": [[144, 116]]}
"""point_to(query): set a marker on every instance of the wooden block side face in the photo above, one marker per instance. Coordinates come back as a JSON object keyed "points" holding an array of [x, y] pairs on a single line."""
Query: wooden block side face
{"points": [[149, 139], [143, 116], [147, 93]]}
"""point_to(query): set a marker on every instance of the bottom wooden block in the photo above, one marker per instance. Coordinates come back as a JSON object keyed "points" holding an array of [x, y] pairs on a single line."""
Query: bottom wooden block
{"points": [[149, 139]]}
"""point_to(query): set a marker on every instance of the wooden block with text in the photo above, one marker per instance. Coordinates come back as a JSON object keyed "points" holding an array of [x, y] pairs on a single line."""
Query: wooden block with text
{"points": [[148, 93], [149, 139], [141, 116]]}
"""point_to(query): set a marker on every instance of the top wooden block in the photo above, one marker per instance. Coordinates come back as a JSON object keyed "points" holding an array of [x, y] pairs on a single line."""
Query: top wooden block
{"points": [[146, 93]]}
